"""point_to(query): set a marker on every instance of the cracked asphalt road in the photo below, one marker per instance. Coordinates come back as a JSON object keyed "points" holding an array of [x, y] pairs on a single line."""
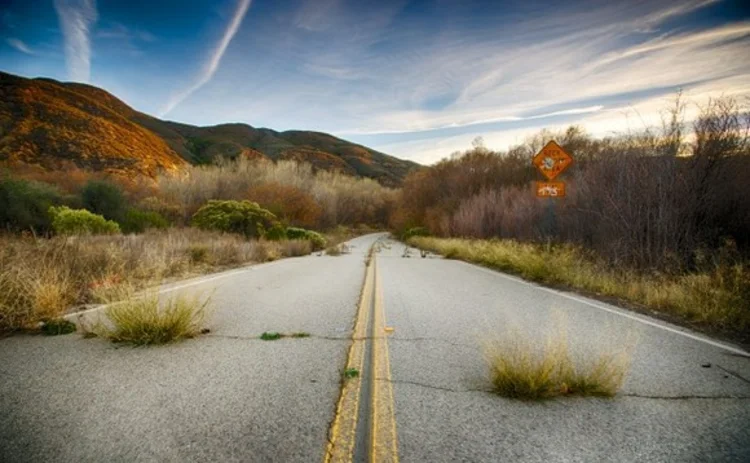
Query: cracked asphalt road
{"points": [[671, 407], [229, 396]]}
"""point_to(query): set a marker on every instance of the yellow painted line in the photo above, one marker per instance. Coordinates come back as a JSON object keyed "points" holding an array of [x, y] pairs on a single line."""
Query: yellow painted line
{"points": [[384, 444], [342, 435]]}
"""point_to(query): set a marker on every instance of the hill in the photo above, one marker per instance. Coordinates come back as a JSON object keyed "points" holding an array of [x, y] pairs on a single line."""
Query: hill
{"points": [[48, 123]]}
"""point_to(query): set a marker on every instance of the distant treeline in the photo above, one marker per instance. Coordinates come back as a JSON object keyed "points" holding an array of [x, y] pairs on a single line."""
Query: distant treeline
{"points": [[668, 198]]}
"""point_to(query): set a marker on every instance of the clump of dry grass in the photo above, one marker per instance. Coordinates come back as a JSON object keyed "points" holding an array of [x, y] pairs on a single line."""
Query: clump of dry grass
{"points": [[522, 370], [295, 248], [29, 294], [144, 320], [334, 250], [718, 297]]}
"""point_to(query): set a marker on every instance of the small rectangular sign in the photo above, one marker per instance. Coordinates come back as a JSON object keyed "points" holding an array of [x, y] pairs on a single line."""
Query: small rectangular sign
{"points": [[550, 189]]}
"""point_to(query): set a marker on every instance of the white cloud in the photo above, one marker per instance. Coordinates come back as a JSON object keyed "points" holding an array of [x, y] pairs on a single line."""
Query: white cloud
{"points": [[616, 120], [332, 66], [213, 63], [76, 18], [20, 46]]}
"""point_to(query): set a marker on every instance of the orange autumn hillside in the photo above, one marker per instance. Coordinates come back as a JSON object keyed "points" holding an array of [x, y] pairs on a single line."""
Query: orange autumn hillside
{"points": [[52, 124]]}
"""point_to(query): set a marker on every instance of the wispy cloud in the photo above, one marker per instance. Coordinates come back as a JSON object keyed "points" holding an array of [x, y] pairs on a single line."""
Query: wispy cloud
{"points": [[214, 60], [119, 31], [20, 46], [76, 18]]}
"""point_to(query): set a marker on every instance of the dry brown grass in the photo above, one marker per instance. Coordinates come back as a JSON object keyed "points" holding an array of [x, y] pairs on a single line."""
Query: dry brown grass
{"points": [[42, 279], [718, 297], [521, 369], [145, 320]]}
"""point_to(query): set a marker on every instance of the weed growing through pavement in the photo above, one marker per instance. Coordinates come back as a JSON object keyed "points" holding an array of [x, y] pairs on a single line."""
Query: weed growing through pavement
{"points": [[274, 335], [145, 320], [521, 369], [270, 336], [350, 373], [334, 250]]}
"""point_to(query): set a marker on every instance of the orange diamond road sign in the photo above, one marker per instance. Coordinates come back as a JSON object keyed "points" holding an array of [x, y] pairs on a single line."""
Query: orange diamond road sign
{"points": [[550, 189], [552, 160]]}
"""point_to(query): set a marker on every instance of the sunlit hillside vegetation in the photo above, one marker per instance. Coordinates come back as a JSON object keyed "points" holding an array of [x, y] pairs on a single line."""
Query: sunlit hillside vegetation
{"points": [[53, 125]]}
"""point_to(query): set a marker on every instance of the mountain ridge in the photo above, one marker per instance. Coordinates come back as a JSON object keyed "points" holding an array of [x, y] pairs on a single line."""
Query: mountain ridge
{"points": [[49, 123]]}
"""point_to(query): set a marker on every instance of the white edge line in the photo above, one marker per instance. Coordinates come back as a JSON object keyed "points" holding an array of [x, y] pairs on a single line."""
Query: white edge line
{"points": [[198, 281], [611, 310]]}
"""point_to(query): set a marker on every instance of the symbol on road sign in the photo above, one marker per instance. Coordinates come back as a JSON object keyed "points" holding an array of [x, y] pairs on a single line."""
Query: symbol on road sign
{"points": [[550, 189], [552, 160]]}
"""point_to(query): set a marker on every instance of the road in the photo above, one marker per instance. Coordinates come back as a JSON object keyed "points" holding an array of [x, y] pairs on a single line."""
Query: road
{"points": [[415, 328]]}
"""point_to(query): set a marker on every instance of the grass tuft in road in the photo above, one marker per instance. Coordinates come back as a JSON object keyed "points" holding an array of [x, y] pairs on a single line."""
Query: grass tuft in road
{"points": [[350, 373], [334, 250], [300, 334], [520, 369], [270, 336], [145, 321]]}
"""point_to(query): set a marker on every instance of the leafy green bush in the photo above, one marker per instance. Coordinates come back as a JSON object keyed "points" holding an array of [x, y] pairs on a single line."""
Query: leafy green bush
{"points": [[244, 217], [24, 204], [58, 326], [104, 198], [415, 231], [276, 233], [67, 221], [316, 239], [138, 221]]}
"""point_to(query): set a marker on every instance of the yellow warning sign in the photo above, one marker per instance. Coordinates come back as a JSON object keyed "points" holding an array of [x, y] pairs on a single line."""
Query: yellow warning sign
{"points": [[552, 160]]}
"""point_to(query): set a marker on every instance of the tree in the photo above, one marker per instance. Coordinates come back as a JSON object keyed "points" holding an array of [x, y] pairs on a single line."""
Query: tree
{"points": [[24, 205], [104, 198], [287, 202]]}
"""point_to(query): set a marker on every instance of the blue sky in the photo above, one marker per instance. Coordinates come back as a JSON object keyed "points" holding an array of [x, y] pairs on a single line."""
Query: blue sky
{"points": [[417, 79]]}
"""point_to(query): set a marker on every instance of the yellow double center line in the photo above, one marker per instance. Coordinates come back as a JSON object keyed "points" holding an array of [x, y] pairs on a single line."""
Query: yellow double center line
{"points": [[382, 443]]}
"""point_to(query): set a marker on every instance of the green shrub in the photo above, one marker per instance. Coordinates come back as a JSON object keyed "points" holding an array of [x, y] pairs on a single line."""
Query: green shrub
{"points": [[276, 233], [58, 326], [24, 205], [67, 221], [243, 217], [415, 231], [104, 198], [316, 239], [138, 221]]}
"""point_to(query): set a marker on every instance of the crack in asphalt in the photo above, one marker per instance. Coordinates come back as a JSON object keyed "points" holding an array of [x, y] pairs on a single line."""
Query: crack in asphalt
{"points": [[685, 397], [733, 373], [338, 338], [283, 336], [429, 386], [420, 339], [634, 395]]}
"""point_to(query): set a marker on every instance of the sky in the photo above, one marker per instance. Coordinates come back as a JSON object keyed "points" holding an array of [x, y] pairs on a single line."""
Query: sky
{"points": [[415, 79]]}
